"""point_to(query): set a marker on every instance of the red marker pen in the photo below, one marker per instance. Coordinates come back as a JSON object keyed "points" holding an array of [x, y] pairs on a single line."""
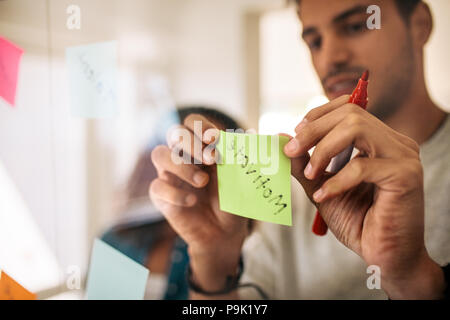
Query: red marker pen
{"points": [[359, 97]]}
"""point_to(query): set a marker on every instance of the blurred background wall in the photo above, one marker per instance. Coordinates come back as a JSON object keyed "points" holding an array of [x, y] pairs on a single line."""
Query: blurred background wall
{"points": [[244, 57]]}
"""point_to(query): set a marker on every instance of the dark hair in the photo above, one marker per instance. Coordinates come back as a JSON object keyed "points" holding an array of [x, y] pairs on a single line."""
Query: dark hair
{"points": [[212, 114], [405, 7]]}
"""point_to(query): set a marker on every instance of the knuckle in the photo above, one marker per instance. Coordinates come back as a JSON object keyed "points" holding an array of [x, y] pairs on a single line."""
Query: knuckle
{"points": [[158, 153], [312, 114], [306, 135], [161, 190], [320, 155], [410, 175], [174, 134], [357, 166], [354, 119], [408, 147], [154, 188], [350, 108], [413, 144], [356, 130], [415, 169]]}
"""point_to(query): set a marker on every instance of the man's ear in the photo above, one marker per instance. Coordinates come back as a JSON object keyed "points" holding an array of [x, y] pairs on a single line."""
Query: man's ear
{"points": [[421, 23]]}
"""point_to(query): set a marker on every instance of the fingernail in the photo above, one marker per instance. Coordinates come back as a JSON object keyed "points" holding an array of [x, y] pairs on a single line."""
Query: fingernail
{"points": [[190, 199], [208, 158], [200, 177], [207, 139], [308, 170], [318, 195], [292, 146]]}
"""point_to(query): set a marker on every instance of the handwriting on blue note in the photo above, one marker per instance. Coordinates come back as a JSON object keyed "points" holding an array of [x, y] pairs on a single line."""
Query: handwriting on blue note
{"points": [[114, 276], [92, 71]]}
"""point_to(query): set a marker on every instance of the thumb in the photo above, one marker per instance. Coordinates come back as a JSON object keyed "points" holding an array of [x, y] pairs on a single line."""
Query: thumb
{"points": [[297, 171], [298, 166]]}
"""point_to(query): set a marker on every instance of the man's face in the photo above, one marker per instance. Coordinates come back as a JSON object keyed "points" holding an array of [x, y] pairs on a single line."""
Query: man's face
{"points": [[342, 47]]}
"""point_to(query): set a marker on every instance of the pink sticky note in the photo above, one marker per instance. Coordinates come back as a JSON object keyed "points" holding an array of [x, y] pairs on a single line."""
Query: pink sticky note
{"points": [[10, 55]]}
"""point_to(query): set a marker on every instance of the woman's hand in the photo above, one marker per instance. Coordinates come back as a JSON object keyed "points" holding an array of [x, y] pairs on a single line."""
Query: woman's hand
{"points": [[187, 195]]}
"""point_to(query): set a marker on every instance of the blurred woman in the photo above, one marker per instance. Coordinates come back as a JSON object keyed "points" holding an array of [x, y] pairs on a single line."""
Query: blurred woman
{"points": [[142, 233]]}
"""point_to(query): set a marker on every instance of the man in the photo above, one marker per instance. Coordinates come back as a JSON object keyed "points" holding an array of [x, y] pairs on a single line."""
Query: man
{"points": [[374, 207]]}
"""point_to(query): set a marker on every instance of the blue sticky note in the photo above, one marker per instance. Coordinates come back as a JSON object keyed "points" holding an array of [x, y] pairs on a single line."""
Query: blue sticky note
{"points": [[114, 276], [92, 72]]}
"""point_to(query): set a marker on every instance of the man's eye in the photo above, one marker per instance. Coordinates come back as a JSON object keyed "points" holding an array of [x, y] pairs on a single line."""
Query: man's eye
{"points": [[354, 28], [315, 44]]}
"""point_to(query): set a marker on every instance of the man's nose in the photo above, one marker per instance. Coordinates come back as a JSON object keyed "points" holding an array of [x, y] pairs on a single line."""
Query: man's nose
{"points": [[335, 53]]}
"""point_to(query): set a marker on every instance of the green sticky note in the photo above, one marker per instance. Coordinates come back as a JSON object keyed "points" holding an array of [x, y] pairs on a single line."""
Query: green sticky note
{"points": [[254, 177], [114, 276]]}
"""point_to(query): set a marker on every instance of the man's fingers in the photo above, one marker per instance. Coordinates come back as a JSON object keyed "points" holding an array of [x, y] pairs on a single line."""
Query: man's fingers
{"points": [[160, 189], [336, 141], [364, 136], [313, 131], [192, 174], [318, 112], [343, 127], [297, 168], [389, 174]]}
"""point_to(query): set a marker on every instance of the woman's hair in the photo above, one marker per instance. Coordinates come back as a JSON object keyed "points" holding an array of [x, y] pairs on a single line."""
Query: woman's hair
{"points": [[210, 113]]}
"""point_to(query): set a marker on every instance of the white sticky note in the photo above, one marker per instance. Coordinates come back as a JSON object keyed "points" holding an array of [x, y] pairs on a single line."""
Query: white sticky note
{"points": [[92, 72]]}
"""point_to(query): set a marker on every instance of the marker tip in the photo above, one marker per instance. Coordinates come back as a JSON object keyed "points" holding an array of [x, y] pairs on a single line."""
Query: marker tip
{"points": [[365, 75]]}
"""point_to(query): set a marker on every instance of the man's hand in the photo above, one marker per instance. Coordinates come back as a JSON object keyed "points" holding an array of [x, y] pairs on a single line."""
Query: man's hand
{"points": [[375, 204], [186, 194]]}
